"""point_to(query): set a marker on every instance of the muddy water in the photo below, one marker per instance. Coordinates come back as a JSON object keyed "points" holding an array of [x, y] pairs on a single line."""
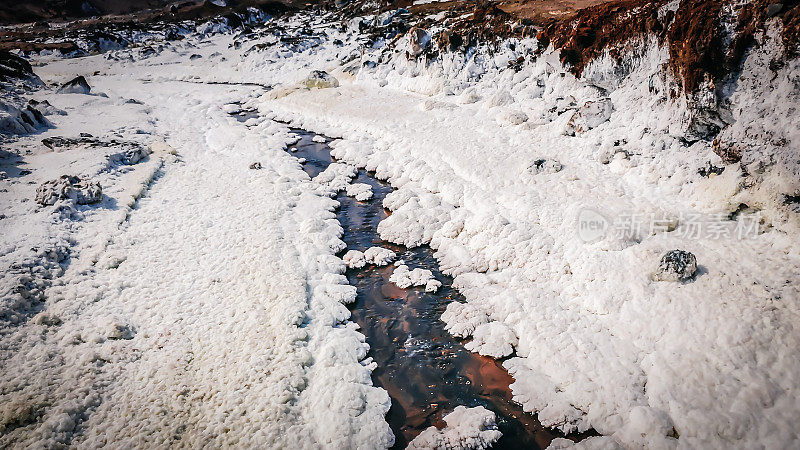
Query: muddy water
{"points": [[426, 371]]}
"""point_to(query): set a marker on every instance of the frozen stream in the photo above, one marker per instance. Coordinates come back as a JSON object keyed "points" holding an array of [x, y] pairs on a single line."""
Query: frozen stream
{"points": [[426, 371]]}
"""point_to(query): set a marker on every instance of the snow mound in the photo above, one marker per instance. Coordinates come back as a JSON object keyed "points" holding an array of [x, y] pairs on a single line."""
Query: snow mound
{"points": [[493, 339], [467, 428], [336, 177], [360, 191], [592, 443], [461, 319], [379, 256], [354, 259], [405, 278]]}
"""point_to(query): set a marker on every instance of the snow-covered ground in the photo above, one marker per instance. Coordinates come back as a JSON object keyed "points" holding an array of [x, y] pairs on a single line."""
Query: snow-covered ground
{"points": [[211, 309]]}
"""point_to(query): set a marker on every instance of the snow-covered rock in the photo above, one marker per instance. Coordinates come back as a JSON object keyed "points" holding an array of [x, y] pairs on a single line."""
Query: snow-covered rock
{"points": [[676, 265], [405, 278], [360, 191], [77, 85], [590, 115], [354, 259], [320, 79], [131, 156], [82, 192], [379, 256], [418, 40], [14, 120], [467, 429]]}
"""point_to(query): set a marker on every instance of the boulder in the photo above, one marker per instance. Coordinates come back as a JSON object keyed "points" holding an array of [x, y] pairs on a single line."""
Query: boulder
{"points": [[418, 40], [255, 166], [132, 156], [590, 115], [77, 85], [14, 120], [320, 79], [67, 187], [676, 265]]}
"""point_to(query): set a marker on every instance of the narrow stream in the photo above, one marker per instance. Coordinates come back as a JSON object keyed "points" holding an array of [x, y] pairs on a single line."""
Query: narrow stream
{"points": [[426, 371]]}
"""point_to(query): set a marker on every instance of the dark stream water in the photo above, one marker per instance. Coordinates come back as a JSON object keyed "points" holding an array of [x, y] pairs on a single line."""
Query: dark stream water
{"points": [[426, 371]]}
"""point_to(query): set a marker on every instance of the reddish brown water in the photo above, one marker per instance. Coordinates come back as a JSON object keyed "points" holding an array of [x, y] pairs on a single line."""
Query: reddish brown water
{"points": [[426, 371]]}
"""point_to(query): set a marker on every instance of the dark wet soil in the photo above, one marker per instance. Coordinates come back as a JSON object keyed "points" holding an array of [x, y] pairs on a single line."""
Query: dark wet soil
{"points": [[426, 371]]}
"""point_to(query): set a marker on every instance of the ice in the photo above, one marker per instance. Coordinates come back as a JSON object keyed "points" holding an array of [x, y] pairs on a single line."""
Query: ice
{"points": [[467, 428]]}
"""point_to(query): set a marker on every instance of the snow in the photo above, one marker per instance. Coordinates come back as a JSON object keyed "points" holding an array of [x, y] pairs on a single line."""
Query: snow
{"points": [[405, 278], [360, 191], [594, 337], [467, 428], [203, 301], [378, 256]]}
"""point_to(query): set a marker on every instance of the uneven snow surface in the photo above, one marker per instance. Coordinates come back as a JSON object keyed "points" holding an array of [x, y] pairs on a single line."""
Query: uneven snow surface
{"points": [[202, 303], [467, 428]]}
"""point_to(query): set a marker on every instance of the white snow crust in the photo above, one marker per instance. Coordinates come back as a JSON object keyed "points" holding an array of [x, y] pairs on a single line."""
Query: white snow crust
{"points": [[405, 278], [467, 428], [201, 303]]}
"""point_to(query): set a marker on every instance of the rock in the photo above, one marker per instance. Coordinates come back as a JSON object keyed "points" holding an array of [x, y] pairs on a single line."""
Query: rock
{"points": [[418, 40], [77, 85], [320, 79], [588, 116], [676, 265], [132, 156], [545, 166], [14, 67], [21, 121], [729, 153], [255, 166], [45, 108], [195, 56], [68, 188], [774, 9]]}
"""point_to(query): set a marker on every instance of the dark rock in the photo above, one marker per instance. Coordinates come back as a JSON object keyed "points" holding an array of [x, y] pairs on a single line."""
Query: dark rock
{"points": [[676, 265], [195, 56], [13, 66], [545, 166], [68, 187], [710, 170], [774, 9], [77, 85], [255, 166], [729, 154]]}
